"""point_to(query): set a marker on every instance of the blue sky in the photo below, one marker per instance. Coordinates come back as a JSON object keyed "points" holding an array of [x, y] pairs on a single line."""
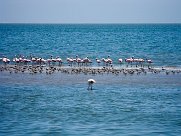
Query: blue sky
{"points": [[90, 11]]}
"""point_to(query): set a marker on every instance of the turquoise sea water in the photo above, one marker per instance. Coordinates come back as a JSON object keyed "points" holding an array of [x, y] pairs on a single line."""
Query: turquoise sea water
{"points": [[161, 42], [60, 104]]}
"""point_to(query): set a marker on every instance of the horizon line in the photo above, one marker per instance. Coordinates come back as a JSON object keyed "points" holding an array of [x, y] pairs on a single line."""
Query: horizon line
{"points": [[88, 23]]}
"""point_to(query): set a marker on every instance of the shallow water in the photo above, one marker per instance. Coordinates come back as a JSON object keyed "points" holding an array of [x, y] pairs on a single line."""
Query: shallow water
{"points": [[118, 105]]}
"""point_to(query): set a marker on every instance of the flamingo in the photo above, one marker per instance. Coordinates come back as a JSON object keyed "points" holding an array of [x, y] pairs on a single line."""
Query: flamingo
{"points": [[43, 60], [120, 60], [49, 60], [5, 60], [26, 61], [40, 61], [98, 61], [59, 60], [136, 61], [21, 59], [90, 83], [109, 60], [141, 61], [16, 60], [129, 60], [78, 60], [105, 61], [33, 60], [53, 60], [86, 61], [74, 60], [70, 61], [149, 61]]}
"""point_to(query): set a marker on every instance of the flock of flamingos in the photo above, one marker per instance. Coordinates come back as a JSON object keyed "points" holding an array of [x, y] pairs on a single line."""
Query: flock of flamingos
{"points": [[72, 61], [78, 65]]}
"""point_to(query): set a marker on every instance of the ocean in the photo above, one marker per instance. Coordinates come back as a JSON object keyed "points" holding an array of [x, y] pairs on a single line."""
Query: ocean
{"points": [[60, 104], [159, 42]]}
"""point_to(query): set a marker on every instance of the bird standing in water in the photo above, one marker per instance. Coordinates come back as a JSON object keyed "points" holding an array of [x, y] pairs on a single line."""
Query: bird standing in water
{"points": [[90, 83]]}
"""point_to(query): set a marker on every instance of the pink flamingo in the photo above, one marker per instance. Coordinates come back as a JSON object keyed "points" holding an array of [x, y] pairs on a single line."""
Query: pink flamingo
{"points": [[59, 60], [33, 60], [26, 61], [105, 61], [98, 61], [53, 60], [43, 60], [21, 59], [129, 60], [70, 61], [141, 61], [78, 60], [5, 60], [16, 60], [74, 60], [87, 61], [136, 61], [40, 61], [49, 60], [109, 61]]}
